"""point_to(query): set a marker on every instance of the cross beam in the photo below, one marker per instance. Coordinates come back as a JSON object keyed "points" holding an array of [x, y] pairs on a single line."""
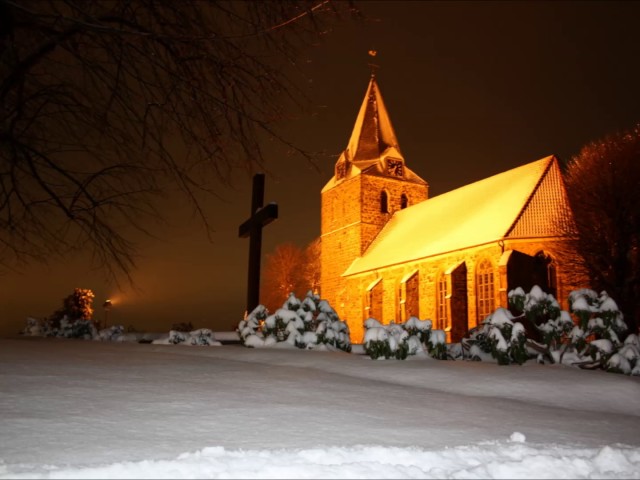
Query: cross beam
{"points": [[252, 228]]}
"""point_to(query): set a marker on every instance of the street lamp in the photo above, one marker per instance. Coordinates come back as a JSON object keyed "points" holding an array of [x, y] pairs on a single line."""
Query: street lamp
{"points": [[107, 306]]}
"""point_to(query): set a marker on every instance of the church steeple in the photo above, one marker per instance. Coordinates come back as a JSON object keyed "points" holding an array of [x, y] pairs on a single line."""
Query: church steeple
{"points": [[370, 183], [373, 146], [373, 135]]}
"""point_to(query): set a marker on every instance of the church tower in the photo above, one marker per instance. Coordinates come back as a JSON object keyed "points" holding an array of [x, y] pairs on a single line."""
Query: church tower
{"points": [[371, 181]]}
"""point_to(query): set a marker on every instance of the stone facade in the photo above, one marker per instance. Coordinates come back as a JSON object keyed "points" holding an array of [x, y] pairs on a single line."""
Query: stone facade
{"points": [[447, 290], [351, 217]]}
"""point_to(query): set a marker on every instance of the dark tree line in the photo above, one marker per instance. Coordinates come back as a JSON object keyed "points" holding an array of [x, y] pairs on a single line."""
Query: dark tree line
{"points": [[106, 105], [603, 183]]}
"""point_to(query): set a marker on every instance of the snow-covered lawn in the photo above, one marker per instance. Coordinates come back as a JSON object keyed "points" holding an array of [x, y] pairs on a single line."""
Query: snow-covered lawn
{"points": [[89, 409]]}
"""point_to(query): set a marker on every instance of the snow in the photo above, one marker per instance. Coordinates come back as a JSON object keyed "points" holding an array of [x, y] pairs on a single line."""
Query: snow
{"points": [[421, 325], [518, 330], [609, 305], [438, 337], [375, 334], [200, 337], [502, 317], [603, 345], [501, 342], [91, 409]]}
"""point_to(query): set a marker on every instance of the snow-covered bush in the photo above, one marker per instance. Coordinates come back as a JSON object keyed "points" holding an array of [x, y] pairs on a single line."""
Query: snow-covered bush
{"points": [[200, 337], [399, 340], [72, 320], [78, 328], [593, 341], [542, 311], [437, 345], [385, 341], [113, 333], [598, 315], [37, 327], [328, 326], [502, 337], [64, 327], [418, 328], [310, 323]]}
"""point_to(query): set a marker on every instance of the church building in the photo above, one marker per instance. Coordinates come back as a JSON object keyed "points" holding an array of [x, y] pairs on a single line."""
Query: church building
{"points": [[390, 252]]}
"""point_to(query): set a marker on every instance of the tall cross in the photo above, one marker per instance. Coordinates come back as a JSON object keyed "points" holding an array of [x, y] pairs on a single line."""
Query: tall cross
{"points": [[252, 228]]}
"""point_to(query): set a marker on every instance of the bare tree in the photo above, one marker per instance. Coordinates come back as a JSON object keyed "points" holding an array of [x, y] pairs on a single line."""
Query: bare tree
{"points": [[283, 274], [107, 104], [602, 184], [312, 266], [290, 269]]}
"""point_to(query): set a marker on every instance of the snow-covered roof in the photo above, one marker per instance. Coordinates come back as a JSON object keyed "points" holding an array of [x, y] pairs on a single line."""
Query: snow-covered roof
{"points": [[523, 202], [372, 141]]}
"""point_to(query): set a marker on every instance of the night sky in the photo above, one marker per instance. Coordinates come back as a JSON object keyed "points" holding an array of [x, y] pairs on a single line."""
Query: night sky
{"points": [[472, 89]]}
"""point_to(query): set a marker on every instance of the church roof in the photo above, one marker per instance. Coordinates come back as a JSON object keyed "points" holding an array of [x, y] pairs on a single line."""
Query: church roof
{"points": [[524, 202], [372, 141]]}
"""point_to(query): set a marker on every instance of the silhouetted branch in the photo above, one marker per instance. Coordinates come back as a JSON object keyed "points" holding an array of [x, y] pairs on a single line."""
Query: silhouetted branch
{"points": [[105, 105]]}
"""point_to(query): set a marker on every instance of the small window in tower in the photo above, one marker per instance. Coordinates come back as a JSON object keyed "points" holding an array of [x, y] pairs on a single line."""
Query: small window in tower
{"points": [[404, 201], [384, 202]]}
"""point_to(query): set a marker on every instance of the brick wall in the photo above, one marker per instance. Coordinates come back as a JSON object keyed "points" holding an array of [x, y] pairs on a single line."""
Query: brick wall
{"points": [[351, 218]]}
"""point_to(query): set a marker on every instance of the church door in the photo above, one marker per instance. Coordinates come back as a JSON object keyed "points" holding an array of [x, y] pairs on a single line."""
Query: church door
{"points": [[526, 271], [459, 310]]}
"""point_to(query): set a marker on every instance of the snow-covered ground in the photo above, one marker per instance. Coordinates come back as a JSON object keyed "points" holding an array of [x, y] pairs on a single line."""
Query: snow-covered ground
{"points": [[88, 409]]}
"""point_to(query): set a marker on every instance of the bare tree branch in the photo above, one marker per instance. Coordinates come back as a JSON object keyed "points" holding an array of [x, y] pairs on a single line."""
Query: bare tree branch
{"points": [[105, 105]]}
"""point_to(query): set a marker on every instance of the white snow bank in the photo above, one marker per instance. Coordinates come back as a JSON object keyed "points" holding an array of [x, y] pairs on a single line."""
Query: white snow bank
{"points": [[506, 459]]}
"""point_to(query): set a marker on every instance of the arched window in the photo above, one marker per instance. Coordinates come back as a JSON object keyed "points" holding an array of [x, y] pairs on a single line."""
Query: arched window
{"points": [[404, 201], [485, 289], [441, 303], [384, 202]]}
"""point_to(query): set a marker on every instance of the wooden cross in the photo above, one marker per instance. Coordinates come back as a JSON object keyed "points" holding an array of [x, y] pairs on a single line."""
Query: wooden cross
{"points": [[252, 228]]}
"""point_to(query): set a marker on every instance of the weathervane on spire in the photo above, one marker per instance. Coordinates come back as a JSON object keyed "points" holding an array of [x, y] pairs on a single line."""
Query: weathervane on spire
{"points": [[374, 66]]}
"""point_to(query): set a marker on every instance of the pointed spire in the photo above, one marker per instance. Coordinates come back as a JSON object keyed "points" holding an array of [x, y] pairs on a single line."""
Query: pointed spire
{"points": [[372, 133]]}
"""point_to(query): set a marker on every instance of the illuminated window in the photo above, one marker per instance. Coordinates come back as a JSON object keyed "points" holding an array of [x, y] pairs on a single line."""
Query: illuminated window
{"points": [[384, 202], [442, 313], [485, 289], [404, 201]]}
